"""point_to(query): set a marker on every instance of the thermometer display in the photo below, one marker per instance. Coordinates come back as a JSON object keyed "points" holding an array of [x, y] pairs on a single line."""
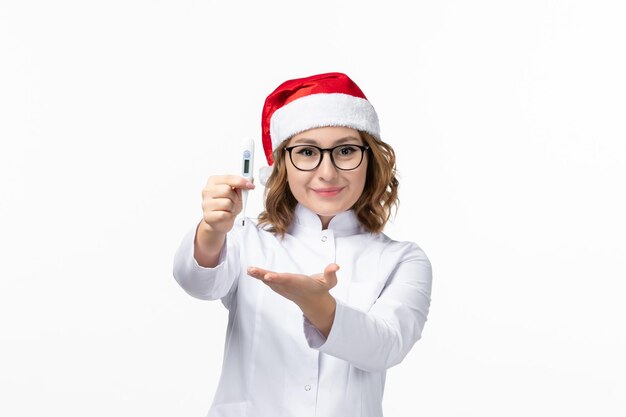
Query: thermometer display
{"points": [[246, 163], [246, 172]]}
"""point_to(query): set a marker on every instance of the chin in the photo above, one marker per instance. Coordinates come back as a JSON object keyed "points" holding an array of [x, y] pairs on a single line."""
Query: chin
{"points": [[329, 209]]}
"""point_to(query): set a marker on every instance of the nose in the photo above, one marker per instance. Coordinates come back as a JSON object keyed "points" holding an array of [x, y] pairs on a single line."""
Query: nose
{"points": [[326, 170]]}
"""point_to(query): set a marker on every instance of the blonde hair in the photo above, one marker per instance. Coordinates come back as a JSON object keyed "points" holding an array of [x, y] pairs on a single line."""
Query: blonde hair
{"points": [[373, 208]]}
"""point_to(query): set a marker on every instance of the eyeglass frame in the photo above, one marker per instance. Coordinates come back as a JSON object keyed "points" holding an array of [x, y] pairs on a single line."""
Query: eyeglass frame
{"points": [[363, 148]]}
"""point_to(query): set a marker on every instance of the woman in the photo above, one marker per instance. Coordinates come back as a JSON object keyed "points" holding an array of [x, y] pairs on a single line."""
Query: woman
{"points": [[320, 301]]}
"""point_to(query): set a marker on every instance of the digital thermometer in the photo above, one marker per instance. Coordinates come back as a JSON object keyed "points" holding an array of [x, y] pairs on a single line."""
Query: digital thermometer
{"points": [[247, 166]]}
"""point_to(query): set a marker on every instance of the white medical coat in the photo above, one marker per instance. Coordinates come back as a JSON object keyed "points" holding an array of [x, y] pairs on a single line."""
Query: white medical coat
{"points": [[276, 363]]}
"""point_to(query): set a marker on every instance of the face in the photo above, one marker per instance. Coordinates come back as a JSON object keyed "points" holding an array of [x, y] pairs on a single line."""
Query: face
{"points": [[326, 190]]}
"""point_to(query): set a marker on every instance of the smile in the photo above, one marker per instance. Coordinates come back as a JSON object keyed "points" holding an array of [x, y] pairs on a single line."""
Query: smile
{"points": [[328, 192]]}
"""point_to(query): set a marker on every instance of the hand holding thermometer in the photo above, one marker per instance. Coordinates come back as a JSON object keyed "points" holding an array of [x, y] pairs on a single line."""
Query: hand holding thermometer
{"points": [[247, 167]]}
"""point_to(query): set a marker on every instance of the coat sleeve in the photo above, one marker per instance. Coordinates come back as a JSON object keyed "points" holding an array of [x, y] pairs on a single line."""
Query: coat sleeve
{"points": [[380, 338], [207, 283]]}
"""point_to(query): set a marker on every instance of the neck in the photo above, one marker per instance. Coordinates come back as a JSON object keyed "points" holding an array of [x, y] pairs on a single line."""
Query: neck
{"points": [[325, 221]]}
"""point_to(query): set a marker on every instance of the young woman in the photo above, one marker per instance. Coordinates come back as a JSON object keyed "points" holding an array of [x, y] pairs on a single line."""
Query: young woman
{"points": [[321, 303]]}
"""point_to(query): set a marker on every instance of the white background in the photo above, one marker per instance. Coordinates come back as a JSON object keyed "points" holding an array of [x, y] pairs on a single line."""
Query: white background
{"points": [[508, 121]]}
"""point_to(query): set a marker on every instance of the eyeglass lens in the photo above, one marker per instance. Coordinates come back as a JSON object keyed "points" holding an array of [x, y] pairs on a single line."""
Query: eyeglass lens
{"points": [[345, 157]]}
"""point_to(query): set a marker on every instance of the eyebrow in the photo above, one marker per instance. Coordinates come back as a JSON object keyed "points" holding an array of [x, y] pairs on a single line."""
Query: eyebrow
{"points": [[337, 142]]}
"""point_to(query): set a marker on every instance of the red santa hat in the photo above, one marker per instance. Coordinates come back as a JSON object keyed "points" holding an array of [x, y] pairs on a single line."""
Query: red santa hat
{"points": [[330, 99]]}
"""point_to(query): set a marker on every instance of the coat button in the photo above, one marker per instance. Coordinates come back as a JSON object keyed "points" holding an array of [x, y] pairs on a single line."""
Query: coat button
{"points": [[307, 388], [324, 238]]}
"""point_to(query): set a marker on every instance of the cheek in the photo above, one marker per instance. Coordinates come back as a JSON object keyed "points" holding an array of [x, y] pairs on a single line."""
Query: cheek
{"points": [[357, 187], [290, 186], [294, 180], [362, 185], [363, 176]]}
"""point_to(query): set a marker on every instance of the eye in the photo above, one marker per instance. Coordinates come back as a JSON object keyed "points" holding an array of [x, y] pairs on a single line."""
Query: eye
{"points": [[347, 150], [306, 151]]}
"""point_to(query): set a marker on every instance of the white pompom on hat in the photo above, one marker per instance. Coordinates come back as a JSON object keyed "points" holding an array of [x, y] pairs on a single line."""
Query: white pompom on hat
{"points": [[330, 99]]}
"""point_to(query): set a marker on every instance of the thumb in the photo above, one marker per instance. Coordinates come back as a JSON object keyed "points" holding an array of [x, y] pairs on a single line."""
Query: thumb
{"points": [[330, 275], [331, 269]]}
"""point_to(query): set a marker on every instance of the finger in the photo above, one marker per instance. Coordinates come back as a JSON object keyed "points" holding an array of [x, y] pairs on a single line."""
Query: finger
{"points": [[220, 191], [259, 273], [238, 202], [234, 181], [221, 204], [330, 274], [331, 269], [219, 217], [267, 276], [230, 201]]}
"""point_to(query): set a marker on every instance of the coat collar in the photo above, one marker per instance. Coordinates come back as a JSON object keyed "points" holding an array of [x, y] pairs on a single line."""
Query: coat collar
{"points": [[343, 224]]}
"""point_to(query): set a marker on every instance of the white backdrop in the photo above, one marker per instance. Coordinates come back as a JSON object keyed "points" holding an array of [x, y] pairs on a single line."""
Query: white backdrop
{"points": [[508, 121]]}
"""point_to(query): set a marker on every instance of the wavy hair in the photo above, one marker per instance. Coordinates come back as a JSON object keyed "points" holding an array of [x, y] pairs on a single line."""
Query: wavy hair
{"points": [[373, 208]]}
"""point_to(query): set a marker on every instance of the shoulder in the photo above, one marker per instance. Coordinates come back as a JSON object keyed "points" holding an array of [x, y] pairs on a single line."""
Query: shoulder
{"points": [[399, 251]]}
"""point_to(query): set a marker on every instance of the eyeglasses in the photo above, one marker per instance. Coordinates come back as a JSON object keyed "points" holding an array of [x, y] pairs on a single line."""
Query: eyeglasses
{"points": [[343, 157]]}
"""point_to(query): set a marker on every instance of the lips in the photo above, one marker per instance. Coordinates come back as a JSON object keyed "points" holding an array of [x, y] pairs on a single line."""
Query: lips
{"points": [[328, 192]]}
